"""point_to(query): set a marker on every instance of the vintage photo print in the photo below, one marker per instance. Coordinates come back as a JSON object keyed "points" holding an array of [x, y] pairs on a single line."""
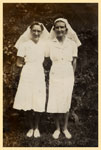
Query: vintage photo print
{"points": [[50, 74]]}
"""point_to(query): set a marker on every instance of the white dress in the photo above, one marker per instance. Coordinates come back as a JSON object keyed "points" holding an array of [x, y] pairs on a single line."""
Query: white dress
{"points": [[61, 75], [31, 92]]}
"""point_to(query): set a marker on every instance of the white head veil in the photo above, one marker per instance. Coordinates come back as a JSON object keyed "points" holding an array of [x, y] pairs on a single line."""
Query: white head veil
{"points": [[70, 34], [27, 35]]}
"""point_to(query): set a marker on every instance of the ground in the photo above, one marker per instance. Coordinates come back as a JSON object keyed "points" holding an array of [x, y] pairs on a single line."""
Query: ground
{"points": [[84, 134]]}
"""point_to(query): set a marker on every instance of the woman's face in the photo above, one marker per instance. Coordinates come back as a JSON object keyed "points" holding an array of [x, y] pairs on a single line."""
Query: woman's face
{"points": [[60, 29], [36, 32]]}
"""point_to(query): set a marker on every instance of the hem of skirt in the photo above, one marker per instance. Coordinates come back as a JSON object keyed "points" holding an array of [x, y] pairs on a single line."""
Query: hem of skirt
{"points": [[54, 112], [28, 109]]}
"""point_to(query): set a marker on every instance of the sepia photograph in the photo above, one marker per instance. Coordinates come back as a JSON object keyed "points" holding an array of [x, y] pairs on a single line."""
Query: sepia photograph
{"points": [[50, 74]]}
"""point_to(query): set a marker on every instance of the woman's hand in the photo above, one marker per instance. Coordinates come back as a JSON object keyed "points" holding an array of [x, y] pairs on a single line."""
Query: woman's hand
{"points": [[20, 61]]}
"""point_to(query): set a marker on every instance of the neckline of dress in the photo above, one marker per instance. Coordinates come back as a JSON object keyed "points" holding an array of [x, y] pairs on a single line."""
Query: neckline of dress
{"points": [[34, 42], [63, 44]]}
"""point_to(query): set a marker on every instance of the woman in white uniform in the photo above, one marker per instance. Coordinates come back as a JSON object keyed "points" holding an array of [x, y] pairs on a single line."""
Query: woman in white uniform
{"points": [[31, 92], [63, 53]]}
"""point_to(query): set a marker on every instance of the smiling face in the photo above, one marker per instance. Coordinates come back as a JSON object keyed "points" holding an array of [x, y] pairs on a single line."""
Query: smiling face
{"points": [[60, 29], [36, 31]]}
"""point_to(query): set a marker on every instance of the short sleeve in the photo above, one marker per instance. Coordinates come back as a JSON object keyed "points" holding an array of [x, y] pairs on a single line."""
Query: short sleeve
{"points": [[75, 50], [21, 50]]}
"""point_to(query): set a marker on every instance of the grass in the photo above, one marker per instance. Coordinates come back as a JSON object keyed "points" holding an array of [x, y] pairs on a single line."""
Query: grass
{"points": [[84, 134]]}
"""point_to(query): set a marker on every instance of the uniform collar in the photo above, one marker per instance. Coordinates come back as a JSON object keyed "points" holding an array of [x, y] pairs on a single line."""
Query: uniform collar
{"points": [[56, 40], [64, 44]]}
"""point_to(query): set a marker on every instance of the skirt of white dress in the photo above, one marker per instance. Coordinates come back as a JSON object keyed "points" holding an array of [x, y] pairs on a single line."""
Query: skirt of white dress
{"points": [[60, 87], [31, 92]]}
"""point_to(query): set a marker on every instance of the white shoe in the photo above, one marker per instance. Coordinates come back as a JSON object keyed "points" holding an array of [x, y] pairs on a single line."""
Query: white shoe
{"points": [[56, 134], [30, 133], [36, 133], [67, 134]]}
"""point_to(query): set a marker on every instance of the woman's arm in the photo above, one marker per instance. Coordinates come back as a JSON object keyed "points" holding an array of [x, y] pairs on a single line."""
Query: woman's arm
{"points": [[20, 61], [74, 63]]}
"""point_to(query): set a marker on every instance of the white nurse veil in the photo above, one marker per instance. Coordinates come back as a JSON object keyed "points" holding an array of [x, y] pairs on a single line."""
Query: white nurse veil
{"points": [[70, 34], [27, 35]]}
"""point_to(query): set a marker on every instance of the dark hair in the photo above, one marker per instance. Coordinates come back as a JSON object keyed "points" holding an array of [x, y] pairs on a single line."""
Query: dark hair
{"points": [[36, 23], [59, 21]]}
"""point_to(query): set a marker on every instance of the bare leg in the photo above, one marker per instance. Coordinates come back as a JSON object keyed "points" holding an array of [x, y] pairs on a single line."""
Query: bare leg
{"points": [[65, 130], [30, 121], [57, 123], [37, 119], [66, 116]]}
